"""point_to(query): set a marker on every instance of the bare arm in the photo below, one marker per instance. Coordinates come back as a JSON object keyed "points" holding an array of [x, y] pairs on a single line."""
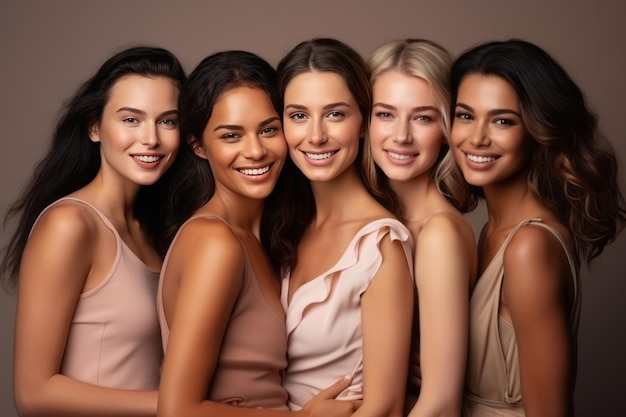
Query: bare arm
{"points": [[537, 291], [387, 313], [445, 267], [57, 260], [208, 261]]}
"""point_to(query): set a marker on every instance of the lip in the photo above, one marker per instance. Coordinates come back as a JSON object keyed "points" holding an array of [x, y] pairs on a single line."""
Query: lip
{"points": [[319, 158], [480, 160], [147, 160], [400, 157], [257, 173]]}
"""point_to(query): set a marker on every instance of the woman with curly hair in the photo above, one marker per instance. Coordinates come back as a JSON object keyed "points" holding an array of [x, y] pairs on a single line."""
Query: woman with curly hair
{"points": [[527, 143]]}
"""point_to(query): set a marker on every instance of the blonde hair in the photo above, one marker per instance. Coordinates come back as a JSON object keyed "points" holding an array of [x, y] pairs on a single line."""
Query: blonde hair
{"points": [[431, 62]]}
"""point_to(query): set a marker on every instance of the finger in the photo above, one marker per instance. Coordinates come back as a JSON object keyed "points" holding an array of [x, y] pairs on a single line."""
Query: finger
{"points": [[336, 388], [356, 404]]}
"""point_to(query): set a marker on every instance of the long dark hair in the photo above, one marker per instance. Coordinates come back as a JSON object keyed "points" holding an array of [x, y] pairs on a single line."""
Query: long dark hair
{"points": [[291, 208], [73, 160], [194, 184], [573, 168]]}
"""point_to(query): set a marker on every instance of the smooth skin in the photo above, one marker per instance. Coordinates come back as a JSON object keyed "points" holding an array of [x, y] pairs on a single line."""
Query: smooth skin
{"points": [[406, 136], [204, 273], [492, 147], [70, 251], [323, 129]]}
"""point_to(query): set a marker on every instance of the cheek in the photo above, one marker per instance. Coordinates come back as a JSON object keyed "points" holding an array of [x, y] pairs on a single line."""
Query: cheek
{"points": [[278, 145], [455, 135], [293, 133], [377, 132]]}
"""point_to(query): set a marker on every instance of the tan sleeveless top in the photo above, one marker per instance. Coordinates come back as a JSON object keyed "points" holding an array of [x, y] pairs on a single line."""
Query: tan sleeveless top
{"points": [[253, 355], [114, 338], [492, 381]]}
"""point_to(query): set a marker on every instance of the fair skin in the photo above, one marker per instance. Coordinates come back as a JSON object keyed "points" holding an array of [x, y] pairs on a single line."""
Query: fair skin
{"points": [[70, 251], [323, 126], [244, 144], [492, 147], [406, 136]]}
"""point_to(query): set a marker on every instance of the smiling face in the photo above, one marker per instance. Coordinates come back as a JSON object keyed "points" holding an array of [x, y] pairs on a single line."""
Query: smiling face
{"points": [[244, 144], [488, 136], [322, 125], [138, 131], [405, 128]]}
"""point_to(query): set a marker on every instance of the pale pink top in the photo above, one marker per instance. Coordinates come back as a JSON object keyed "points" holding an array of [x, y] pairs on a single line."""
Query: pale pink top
{"points": [[324, 316], [253, 355], [493, 386], [114, 338]]}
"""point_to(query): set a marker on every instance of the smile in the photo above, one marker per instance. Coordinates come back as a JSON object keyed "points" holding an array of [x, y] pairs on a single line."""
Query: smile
{"points": [[480, 159], [147, 158], [320, 156], [401, 156], [254, 171]]}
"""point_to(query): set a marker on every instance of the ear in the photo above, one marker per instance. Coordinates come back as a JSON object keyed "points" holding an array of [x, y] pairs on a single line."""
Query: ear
{"points": [[94, 133], [197, 147]]}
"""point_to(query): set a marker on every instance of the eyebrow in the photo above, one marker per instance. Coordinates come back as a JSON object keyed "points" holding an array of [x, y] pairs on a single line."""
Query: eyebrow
{"points": [[493, 112], [240, 127], [418, 108], [143, 113], [326, 107]]}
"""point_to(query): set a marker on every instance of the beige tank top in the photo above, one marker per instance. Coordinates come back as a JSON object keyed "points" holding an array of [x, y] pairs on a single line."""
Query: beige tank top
{"points": [[492, 382], [114, 337], [253, 355]]}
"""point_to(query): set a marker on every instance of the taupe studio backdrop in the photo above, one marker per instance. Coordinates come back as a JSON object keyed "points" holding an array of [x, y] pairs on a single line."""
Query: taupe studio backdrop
{"points": [[48, 47]]}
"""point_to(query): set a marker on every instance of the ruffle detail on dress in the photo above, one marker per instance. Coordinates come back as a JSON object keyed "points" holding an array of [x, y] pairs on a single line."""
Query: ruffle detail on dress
{"points": [[365, 241]]}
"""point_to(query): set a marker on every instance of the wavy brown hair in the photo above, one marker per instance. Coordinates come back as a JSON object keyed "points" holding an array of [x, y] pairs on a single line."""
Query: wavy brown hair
{"points": [[573, 167]]}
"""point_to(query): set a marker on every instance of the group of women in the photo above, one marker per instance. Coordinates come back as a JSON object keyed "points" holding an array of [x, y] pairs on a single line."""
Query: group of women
{"points": [[294, 241]]}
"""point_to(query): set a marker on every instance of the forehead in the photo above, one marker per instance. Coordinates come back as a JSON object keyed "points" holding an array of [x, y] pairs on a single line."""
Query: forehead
{"points": [[398, 84], [142, 88], [317, 86], [487, 90]]}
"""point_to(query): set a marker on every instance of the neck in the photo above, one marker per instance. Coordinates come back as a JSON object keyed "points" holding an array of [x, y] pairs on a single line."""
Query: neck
{"points": [[338, 199], [240, 212], [417, 196]]}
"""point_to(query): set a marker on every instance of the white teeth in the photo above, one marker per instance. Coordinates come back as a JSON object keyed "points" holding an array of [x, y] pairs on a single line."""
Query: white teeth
{"points": [[255, 171], [481, 159], [147, 158], [319, 156], [400, 156]]}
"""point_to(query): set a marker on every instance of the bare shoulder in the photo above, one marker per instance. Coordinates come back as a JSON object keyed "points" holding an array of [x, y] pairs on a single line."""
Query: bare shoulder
{"points": [[446, 228], [535, 258], [209, 235], [67, 222]]}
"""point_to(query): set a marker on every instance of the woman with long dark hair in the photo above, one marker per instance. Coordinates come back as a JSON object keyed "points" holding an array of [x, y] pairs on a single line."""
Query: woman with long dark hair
{"points": [[527, 143], [84, 256]]}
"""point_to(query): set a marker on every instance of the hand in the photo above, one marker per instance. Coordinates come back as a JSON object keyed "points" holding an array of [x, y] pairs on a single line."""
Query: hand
{"points": [[324, 404]]}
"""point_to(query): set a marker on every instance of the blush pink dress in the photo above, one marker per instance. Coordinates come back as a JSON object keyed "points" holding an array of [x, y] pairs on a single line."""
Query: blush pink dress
{"points": [[492, 383], [324, 317], [114, 338], [253, 354]]}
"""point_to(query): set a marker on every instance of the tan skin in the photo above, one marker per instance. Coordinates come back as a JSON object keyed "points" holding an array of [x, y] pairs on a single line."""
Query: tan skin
{"points": [[406, 136], [537, 290], [204, 273], [322, 117], [70, 251]]}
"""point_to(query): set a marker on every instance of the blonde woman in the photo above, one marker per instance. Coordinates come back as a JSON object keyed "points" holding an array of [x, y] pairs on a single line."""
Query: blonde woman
{"points": [[411, 169]]}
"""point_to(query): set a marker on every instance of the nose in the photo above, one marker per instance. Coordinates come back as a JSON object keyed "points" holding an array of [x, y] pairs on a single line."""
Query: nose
{"points": [[402, 133], [317, 133], [253, 148], [479, 135], [150, 136]]}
